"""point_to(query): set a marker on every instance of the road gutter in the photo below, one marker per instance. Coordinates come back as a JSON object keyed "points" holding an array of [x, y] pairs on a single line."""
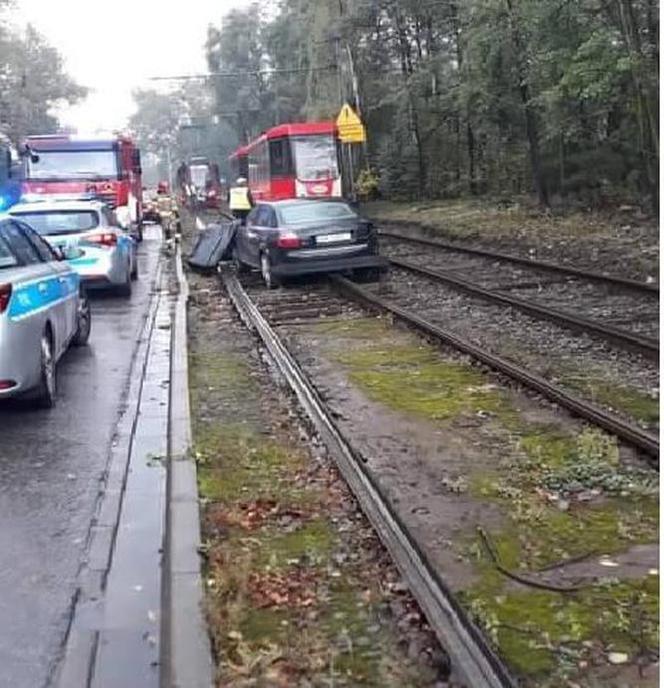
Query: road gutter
{"points": [[95, 625]]}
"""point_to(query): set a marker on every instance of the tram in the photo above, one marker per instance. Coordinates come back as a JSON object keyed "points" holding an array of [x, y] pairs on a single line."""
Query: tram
{"points": [[199, 182], [291, 161]]}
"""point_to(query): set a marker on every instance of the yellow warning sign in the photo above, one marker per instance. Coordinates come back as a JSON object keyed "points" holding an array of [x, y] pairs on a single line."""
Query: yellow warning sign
{"points": [[351, 129]]}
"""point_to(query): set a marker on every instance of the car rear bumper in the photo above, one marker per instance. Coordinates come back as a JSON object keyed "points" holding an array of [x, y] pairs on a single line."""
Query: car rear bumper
{"points": [[104, 272], [19, 359], [337, 264]]}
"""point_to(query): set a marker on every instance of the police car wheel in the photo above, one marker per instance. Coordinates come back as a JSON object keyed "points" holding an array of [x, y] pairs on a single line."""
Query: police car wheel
{"points": [[84, 322], [47, 385], [125, 289]]}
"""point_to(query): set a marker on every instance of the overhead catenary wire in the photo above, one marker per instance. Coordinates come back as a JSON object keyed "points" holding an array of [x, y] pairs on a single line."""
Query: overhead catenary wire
{"points": [[251, 72]]}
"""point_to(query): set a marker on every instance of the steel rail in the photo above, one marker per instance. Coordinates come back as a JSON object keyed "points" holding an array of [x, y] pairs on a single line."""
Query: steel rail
{"points": [[472, 657], [647, 346], [626, 431], [636, 285]]}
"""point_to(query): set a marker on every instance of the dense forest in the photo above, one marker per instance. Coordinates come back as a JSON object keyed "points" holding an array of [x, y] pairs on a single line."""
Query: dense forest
{"points": [[557, 98]]}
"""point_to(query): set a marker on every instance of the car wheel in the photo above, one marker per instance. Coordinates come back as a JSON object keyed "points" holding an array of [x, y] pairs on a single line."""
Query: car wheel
{"points": [[47, 386], [84, 321], [125, 289], [271, 282], [240, 267]]}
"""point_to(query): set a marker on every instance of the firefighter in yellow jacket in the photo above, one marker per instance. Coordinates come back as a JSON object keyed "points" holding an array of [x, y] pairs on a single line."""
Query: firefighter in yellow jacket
{"points": [[168, 211], [240, 200]]}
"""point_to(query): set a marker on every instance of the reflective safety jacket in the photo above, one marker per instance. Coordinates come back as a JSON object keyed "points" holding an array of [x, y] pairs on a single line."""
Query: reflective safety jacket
{"points": [[240, 198], [166, 204]]}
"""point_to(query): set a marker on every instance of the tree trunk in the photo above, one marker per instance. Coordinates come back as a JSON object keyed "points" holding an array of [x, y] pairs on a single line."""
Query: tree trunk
{"points": [[529, 113], [472, 179], [470, 136]]}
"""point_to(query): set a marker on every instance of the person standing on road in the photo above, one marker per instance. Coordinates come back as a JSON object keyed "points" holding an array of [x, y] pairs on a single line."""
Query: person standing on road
{"points": [[240, 200], [168, 211]]}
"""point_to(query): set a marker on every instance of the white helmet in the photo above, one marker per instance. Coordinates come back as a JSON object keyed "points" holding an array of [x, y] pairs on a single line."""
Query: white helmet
{"points": [[241, 180]]}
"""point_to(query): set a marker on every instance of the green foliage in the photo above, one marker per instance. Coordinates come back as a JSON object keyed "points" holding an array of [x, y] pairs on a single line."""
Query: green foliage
{"points": [[32, 82], [480, 96]]}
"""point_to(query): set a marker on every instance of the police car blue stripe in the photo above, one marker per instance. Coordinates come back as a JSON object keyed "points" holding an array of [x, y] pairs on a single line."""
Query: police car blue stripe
{"points": [[29, 298]]}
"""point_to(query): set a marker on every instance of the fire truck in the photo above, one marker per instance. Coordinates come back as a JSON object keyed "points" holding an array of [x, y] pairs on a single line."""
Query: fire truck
{"points": [[106, 167]]}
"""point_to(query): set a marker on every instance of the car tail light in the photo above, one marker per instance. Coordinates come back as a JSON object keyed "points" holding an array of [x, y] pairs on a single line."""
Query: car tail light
{"points": [[105, 239], [289, 240], [5, 295], [7, 384]]}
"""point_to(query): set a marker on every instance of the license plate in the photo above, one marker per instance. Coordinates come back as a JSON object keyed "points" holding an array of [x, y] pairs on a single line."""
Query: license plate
{"points": [[333, 238]]}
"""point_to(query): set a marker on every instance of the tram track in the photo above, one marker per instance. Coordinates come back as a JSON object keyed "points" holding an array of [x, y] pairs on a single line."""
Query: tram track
{"points": [[647, 346], [474, 660], [626, 431], [599, 277], [270, 314]]}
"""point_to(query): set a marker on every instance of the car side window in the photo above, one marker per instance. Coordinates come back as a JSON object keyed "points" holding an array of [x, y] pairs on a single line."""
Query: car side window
{"points": [[251, 218], [46, 253], [263, 216], [21, 246], [108, 217]]}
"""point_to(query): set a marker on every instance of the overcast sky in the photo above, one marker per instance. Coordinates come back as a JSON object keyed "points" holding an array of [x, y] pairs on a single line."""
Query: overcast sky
{"points": [[115, 47]]}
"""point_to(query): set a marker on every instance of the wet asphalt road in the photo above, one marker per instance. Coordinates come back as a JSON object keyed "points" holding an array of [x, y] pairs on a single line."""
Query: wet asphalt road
{"points": [[51, 463]]}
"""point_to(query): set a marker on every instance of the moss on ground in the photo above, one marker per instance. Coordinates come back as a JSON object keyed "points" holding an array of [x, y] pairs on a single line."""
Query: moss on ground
{"points": [[284, 608], [635, 403], [563, 494]]}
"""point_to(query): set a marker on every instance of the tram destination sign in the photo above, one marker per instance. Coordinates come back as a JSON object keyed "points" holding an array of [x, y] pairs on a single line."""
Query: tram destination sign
{"points": [[351, 129]]}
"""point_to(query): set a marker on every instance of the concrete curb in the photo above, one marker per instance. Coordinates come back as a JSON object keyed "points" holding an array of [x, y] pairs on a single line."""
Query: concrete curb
{"points": [[186, 656]]}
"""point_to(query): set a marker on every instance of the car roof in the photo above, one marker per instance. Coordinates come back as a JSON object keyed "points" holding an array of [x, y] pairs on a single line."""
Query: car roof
{"points": [[301, 201], [47, 205]]}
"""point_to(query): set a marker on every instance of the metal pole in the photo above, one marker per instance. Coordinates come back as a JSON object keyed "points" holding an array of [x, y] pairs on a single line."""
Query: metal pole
{"points": [[337, 55], [170, 167], [356, 95], [350, 170]]}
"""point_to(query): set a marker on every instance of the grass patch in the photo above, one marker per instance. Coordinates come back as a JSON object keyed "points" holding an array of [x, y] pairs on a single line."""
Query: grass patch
{"points": [[637, 404], [416, 380]]}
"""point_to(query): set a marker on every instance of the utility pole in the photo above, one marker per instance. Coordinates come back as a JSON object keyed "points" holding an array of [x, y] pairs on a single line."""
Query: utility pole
{"points": [[356, 96], [169, 162]]}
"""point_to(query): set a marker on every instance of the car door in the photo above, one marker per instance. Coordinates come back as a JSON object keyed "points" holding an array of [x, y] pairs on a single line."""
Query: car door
{"points": [[67, 282], [41, 292], [252, 235], [261, 230]]}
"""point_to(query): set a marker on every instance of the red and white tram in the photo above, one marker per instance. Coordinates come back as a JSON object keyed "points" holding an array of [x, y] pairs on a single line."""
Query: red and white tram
{"points": [[291, 161]]}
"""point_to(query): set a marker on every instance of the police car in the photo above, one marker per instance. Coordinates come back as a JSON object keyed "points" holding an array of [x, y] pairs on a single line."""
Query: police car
{"points": [[43, 310], [88, 233]]}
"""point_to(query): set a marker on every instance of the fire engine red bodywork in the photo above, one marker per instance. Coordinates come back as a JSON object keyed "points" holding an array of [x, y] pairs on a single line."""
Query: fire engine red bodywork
{"points": [[116, 190]]}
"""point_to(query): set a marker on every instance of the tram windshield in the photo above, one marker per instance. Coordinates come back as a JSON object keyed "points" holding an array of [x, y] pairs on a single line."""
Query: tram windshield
{"points": [[315, 157]]}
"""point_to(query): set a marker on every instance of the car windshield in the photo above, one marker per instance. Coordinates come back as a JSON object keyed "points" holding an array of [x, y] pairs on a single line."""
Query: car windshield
{"points": [[315, 157], [93, 164], [7, 258], [315, 212], [199, 175], [60, 221]]}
